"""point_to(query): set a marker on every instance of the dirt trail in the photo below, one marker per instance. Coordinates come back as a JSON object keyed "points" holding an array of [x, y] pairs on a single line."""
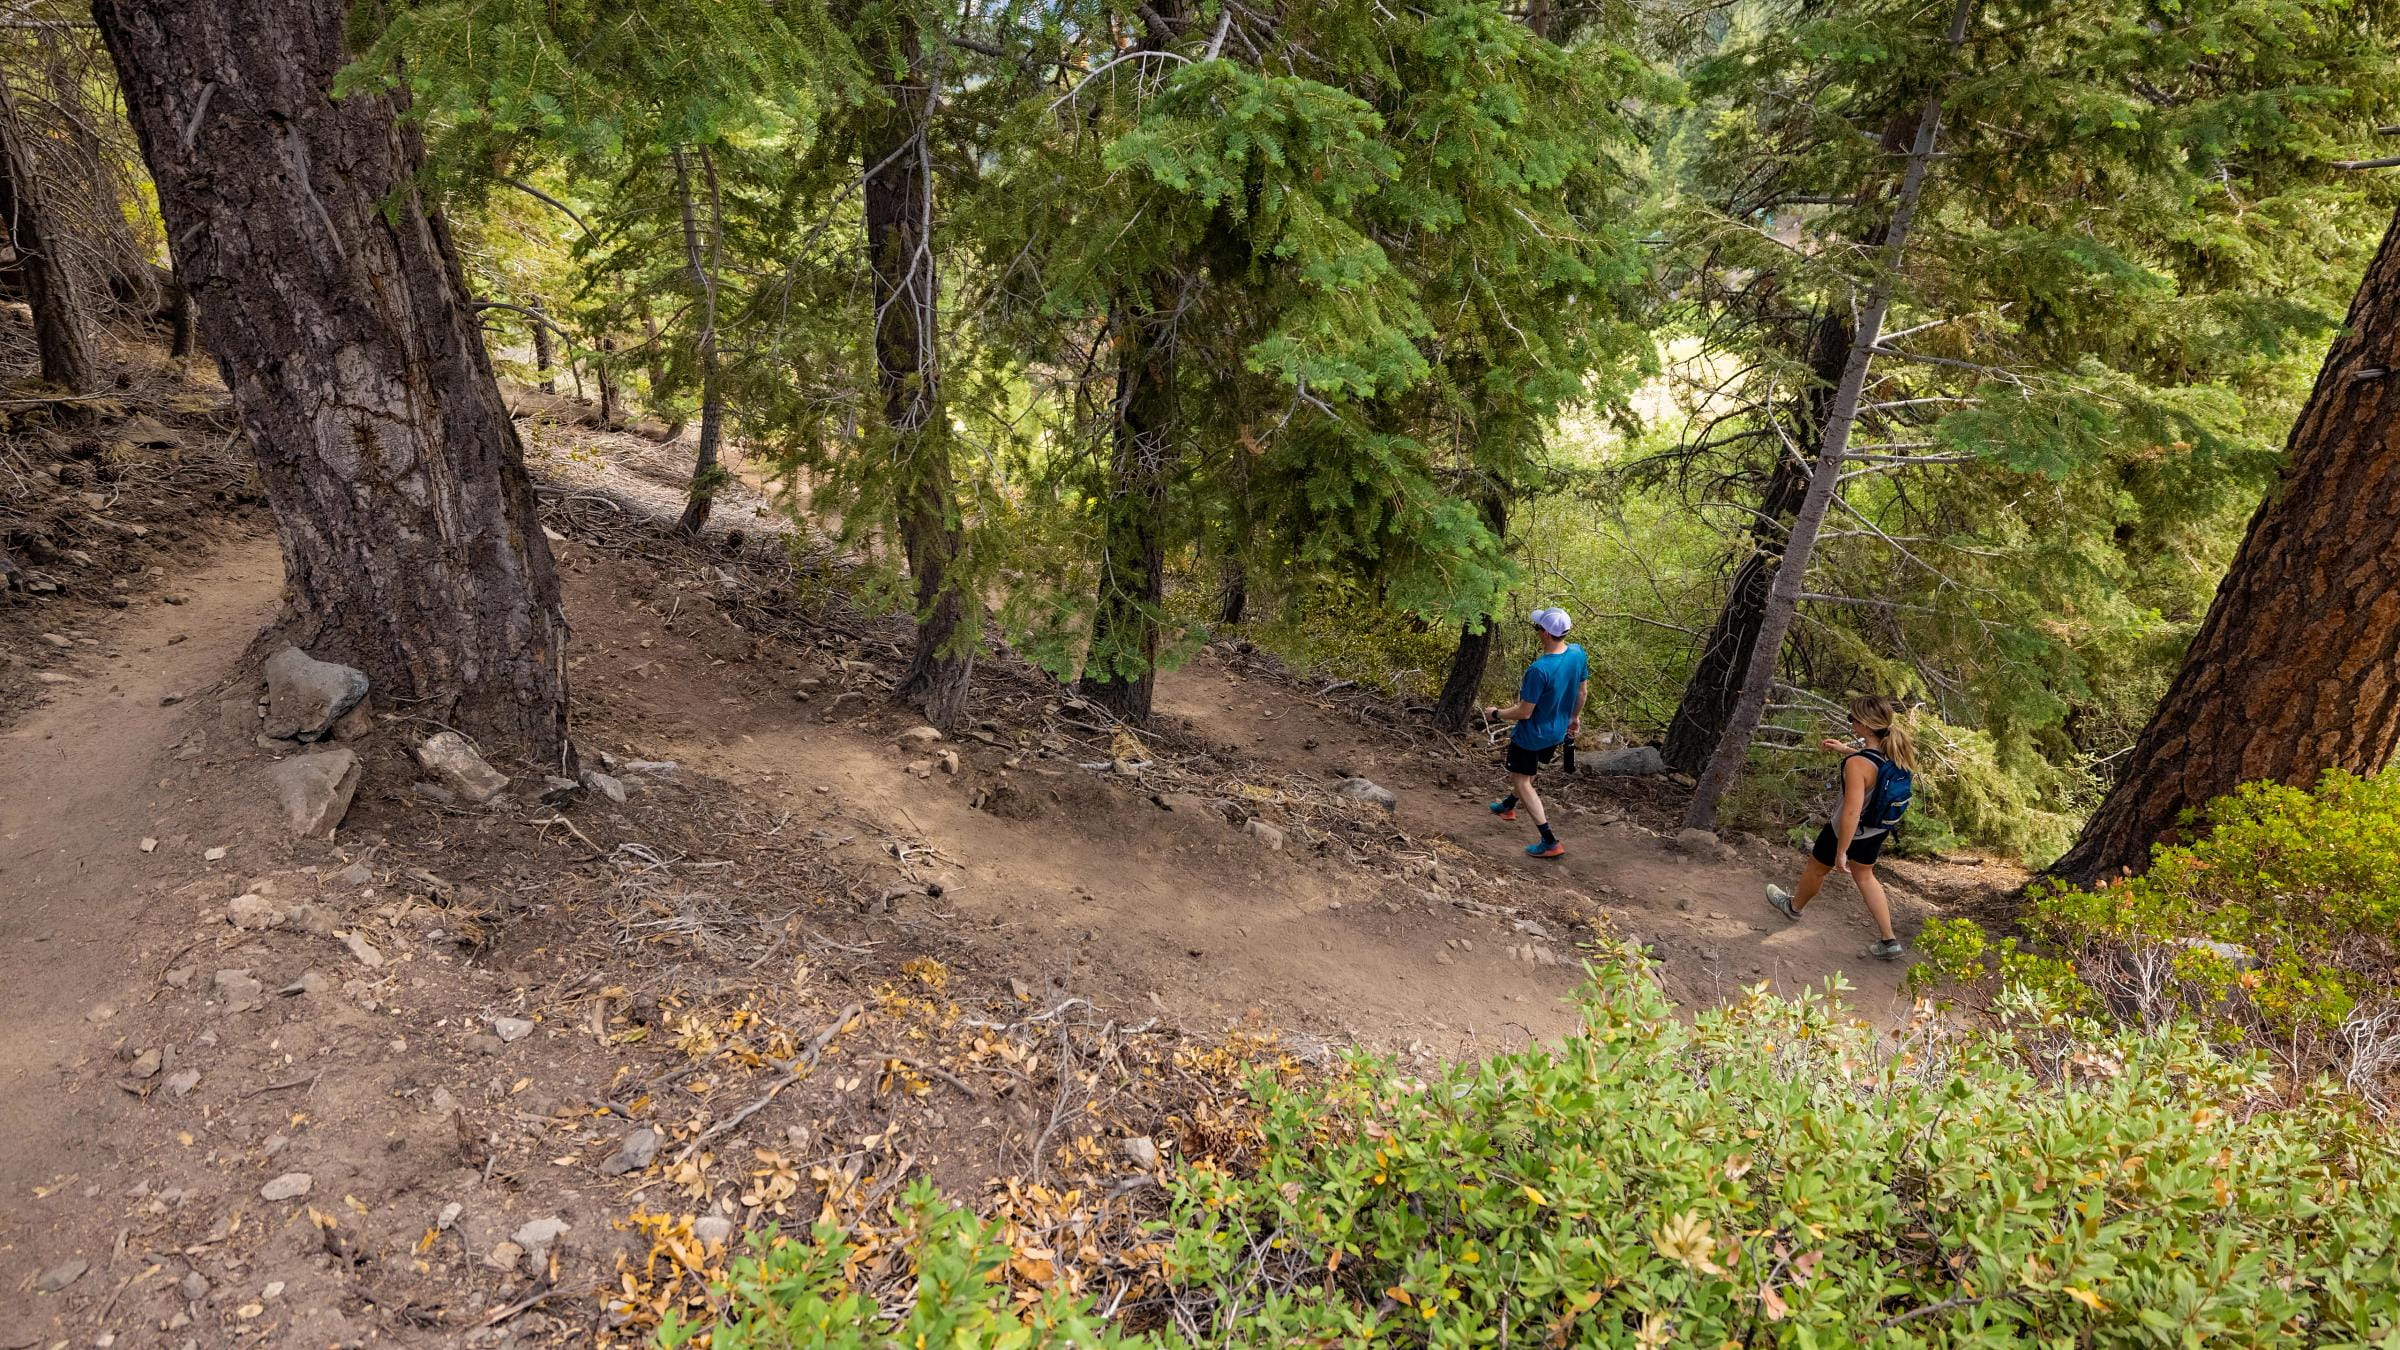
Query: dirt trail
{"points": [[80, 785], [1707, 922], [1211, 925]]}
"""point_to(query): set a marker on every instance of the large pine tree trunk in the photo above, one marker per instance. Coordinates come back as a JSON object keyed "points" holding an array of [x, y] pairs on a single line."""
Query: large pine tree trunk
{"points": [[2296, 669], [1716, 681], [1472, 659], [330, 295], [899, 217], [1120, 671], [61, 326], [705, 473], [1800, 542]]}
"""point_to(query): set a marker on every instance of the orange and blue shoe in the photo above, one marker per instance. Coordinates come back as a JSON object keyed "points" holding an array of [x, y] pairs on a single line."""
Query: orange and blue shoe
{"points": [[1505, 809], [1545, 848]]}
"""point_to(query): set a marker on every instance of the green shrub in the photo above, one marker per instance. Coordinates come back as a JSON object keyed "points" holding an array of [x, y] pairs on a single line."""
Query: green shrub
{"points": [[1772, 1173], [806, 1296], [2279, 928]]}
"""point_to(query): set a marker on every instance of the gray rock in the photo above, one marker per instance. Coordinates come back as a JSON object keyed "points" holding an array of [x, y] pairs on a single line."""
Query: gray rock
{"points": [[253, 912], [61, 1275], [448, 1216], [356, 874], [1369, 791], [1700, 844], [447, 756], [607, 786], [538, 1236], [434, 792], [195, 1286], [314, 982], [1264, 833], [1635, 760], [306, 696], [1142, 1151], [511, 1028], [634, 1154], [712, 1230], [362, 949], [918, 739], [240, 991], [289, 1186], [146, 1064], [181, 1082]]}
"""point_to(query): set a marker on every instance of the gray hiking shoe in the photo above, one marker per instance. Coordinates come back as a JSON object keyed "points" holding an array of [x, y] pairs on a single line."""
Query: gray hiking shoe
{"points": [[1781, 899], [1889, 949]]}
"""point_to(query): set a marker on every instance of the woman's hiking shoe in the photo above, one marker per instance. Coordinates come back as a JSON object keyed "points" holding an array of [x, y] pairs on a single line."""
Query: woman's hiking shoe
{"points": [[1889, 949], [1544, 848], [1506, 810], [1781, 899]]}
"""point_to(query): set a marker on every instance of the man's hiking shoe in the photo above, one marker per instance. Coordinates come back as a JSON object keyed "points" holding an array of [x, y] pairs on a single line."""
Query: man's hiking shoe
{"points": [[1889, 949], [1781, 899], [1505, 810], [1544, 849]]}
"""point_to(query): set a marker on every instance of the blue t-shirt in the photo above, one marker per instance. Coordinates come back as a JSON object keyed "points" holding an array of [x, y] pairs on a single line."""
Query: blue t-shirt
{"points": [[1551, 685]]}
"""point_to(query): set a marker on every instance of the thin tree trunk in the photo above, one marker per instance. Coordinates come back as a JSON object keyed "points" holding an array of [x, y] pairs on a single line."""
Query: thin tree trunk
{"points": [[1120, 671], [331, 297], [541, 347], [1717, 678], [61, 324], [1233, 592], [1783, 595], [899, 218], [1121, 667], [605, 375], [1472, 659], [705, 472], [2296, 669]]}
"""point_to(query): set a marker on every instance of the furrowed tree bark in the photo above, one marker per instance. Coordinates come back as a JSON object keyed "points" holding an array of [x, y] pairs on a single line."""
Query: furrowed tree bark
{"points": [[330, 294], [1120, 671], [899, 219], [1783, 594], [61, 327], [712, 397], [1716, 681], [1472, 659], [2296, 668]]}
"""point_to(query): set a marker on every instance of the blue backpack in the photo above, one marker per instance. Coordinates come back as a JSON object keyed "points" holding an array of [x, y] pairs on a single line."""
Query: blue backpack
{"points": [[1887, 801]]}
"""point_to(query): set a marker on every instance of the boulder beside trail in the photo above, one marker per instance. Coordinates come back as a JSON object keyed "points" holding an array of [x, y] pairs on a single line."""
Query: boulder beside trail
{"points": [[1633, 760], [305, 696], [1369, 791], [315, 790], [447, 756]]}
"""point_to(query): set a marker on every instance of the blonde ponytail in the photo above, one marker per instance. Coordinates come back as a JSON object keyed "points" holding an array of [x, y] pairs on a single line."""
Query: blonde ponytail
{"points": [[1877, 714]]}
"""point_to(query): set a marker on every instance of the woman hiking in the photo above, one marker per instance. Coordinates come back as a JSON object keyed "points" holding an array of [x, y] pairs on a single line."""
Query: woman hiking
{"points": [[1877, 777]]}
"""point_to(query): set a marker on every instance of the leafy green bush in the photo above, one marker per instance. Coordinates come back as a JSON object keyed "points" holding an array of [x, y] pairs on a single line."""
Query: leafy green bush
{"points": [[2279, 928], [1769, 1173]]}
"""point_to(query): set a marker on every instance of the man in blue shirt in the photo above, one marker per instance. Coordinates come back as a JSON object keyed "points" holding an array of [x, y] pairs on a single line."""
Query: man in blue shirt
{"points": [[1548, 710]]}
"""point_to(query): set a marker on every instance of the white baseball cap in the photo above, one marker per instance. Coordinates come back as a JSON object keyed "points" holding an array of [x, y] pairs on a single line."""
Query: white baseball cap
{"points": [[1553, 621]]}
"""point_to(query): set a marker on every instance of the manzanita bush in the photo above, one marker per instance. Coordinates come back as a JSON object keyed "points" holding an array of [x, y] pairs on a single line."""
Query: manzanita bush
{"points": [[1771, 1173], [2278, 929]]}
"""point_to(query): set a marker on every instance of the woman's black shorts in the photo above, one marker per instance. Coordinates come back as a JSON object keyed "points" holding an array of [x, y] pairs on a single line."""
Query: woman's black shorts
{"points": [[1862, 851], [1527, 762]]}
